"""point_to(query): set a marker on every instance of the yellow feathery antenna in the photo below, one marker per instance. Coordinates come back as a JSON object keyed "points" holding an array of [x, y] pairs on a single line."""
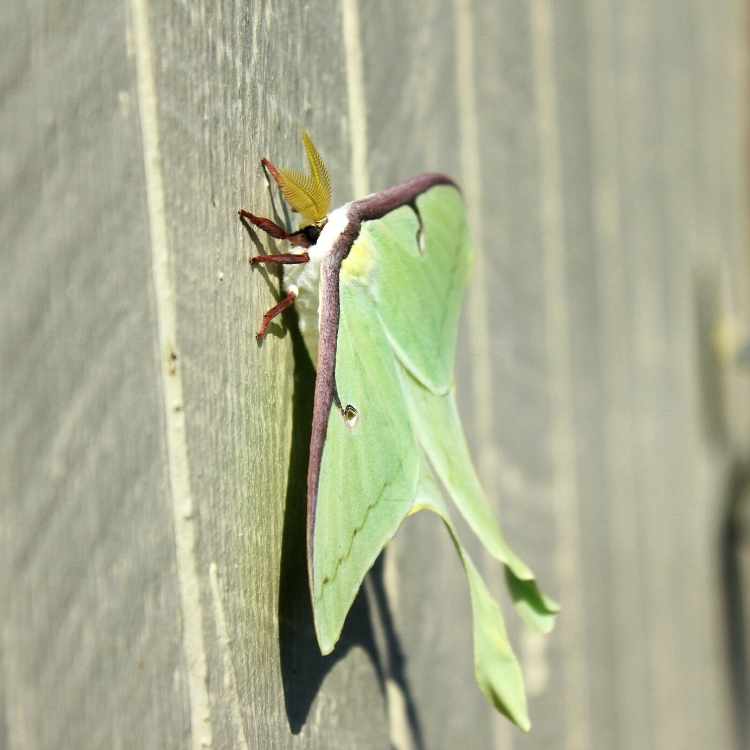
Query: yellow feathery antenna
{"points": [[308, 195]]}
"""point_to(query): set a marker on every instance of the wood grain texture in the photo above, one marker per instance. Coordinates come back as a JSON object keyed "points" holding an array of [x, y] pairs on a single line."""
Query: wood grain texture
{"points": [[152, 508], [90, 615], [230, 92]]}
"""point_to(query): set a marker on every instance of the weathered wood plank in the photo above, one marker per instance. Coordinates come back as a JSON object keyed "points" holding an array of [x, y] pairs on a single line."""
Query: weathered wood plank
{"points": [[231, 89], [90, 615]]}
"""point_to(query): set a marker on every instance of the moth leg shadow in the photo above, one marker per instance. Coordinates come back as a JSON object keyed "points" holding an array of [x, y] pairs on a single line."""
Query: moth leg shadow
{"points": [[303, 668]]}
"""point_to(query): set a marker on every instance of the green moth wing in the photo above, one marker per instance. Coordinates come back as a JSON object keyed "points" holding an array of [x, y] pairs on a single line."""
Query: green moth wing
{"points": [[365, 488], [392, 281]]}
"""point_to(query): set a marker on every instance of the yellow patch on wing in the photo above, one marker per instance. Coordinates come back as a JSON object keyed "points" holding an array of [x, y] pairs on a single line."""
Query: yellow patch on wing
{"points": [[358, 265]]}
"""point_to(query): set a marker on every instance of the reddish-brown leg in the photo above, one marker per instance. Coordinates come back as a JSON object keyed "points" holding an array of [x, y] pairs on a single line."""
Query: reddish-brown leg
{"points": [[266, 225], [299, 239], [277, 309], [284, 258]]}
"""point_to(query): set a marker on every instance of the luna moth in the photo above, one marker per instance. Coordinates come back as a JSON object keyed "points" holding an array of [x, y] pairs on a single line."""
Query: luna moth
{"points": [[378, 284]]}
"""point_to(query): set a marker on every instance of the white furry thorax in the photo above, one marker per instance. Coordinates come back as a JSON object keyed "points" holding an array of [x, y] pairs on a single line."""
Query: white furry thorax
{"points": [[304, 280]]}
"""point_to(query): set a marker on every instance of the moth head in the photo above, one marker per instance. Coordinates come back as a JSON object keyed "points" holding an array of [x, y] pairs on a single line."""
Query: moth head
{"points": [[307, 194]]}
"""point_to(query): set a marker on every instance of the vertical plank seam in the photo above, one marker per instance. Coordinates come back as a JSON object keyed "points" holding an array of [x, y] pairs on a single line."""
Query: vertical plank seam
{"points": [[734, 65], [183, 508], [478, 312], [558, 348], [618, 450], [355, 86], [682, 466], [471, 184]]}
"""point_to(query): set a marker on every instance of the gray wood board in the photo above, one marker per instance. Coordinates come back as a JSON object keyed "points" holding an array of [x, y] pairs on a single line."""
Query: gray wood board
{"points": [[153, 552], [90, 614]]}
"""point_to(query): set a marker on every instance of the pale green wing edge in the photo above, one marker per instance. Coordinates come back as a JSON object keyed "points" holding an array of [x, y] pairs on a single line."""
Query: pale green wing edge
{"points": [[496, 668], [438, 428]]}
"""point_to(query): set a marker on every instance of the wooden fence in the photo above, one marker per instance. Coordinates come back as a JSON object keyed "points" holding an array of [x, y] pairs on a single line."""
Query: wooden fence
{"points": [[152, 456]]}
